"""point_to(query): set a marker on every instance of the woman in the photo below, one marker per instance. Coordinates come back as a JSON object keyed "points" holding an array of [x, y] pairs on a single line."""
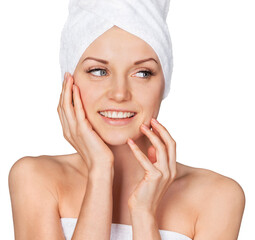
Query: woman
{"points": [[110, 184]]}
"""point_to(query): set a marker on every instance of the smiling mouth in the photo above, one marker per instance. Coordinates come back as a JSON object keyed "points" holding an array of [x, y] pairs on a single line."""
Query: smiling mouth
{"points": [[117, 118]]}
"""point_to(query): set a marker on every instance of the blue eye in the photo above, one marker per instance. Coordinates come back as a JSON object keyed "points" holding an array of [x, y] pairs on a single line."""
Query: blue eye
{"points": [[146, 72], [96, 70], [149, 73]]}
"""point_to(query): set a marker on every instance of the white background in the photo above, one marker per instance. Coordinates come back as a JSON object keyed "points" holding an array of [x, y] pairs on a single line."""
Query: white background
{"points": [[209, 111]]}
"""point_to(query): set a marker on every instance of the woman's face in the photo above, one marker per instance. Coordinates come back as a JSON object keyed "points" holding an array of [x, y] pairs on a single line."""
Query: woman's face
{"points": [[120, 84]]}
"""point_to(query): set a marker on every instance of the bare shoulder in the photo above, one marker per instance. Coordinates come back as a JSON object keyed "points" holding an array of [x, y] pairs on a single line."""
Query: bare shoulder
{"points": [[33, 185], [211, 186], [50, 170], [220, 203], [37, 165], [32, 166], [216, 186]]}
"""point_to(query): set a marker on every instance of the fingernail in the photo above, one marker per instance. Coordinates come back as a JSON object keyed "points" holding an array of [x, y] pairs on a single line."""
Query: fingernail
{"points": [[130, 141], [154, 120], [65, 75], [145, 127]]}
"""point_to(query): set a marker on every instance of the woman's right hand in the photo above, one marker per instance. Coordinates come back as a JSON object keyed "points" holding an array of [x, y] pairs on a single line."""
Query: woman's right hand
{"points": [[77, 129]]}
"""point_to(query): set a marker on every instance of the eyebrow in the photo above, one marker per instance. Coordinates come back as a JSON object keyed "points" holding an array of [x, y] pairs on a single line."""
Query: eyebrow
{"points": [[106, 62]]}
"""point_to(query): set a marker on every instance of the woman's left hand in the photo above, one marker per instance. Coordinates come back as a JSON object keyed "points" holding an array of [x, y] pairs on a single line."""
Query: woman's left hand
{"points": [[160, 169]]}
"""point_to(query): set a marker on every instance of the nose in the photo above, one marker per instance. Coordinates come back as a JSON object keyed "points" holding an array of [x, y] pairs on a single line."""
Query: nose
{"points": [[120, 89]]}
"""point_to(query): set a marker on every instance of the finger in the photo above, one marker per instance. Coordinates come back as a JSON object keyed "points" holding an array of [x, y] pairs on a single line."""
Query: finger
{"points": [[63, 88], [161, 151], [63, 119], [151, 150], [152, 154], [170, 144], [67, 100], [60, 105], [59, 109], [141, 157], [156, 132], [68, 110], [60, 115], [78, 107], [64, 123]]}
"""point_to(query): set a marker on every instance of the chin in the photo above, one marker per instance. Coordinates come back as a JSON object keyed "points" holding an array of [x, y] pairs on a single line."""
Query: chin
{"points": [[115, 139], [118, 138]]}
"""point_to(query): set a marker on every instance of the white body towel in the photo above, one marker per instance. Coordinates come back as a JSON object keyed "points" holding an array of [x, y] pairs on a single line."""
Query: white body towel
{"points": [[118, 231]]}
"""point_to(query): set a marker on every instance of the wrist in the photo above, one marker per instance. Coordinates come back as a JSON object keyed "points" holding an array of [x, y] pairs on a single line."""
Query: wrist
{"points": [[103, 172], [145, 217], [141, 213]]}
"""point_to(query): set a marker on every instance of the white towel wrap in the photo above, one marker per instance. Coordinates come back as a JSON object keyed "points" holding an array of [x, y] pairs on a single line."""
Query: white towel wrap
{"points": [[88, 19]]}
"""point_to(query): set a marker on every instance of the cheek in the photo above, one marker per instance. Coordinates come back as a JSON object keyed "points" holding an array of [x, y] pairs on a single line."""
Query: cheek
{"points": [[152, 101], [161, 86], [89, 97], [86, 98], [155, 94], [150, 106]]}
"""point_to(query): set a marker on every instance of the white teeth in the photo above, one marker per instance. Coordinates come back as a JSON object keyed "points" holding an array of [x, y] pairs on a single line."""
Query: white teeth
{"points": [[110, 114]]}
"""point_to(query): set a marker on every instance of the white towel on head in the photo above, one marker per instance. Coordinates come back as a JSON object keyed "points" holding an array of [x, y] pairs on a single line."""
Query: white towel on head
{"points": [[88, 19]]}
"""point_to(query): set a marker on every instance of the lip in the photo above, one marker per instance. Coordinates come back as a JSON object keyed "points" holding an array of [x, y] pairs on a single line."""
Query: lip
{"points": [[117, 122]]}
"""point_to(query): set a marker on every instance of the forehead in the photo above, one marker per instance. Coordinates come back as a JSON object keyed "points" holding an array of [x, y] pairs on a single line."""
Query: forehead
{"points": [[118, 42]]}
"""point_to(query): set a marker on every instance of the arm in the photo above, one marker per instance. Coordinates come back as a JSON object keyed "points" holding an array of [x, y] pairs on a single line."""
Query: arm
{"points": [[144, 226], [220, 217], [95, 216], [94, 221], [34, 203], [160, 172]]}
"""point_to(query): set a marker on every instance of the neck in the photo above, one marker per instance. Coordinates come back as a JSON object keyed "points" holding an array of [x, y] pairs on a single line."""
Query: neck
{"points": [[126, 165], [127, 170]]}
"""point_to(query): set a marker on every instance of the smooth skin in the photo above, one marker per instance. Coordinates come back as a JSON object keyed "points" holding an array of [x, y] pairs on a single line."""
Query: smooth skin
{"points": [[198, 203]]}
